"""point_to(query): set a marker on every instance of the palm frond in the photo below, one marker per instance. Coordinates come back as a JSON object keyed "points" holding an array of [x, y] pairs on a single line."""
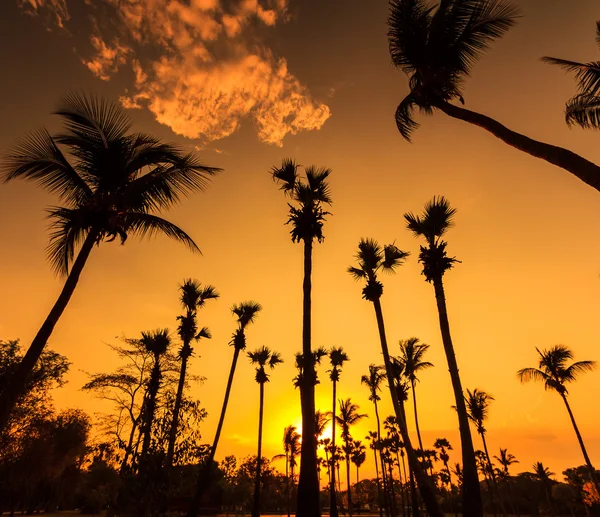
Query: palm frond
{"points": [[570, 373], [583, 110], [246, 312], [286, 175], [204, 333], [317, 181], [587, 75], [275, 359], [148, 225], [370, 254], [405, 122], [357, 273], [532, 374], [393, 257]]}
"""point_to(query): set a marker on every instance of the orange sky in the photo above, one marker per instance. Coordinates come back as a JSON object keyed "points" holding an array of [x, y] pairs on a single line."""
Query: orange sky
{"points": [[526, 232]]}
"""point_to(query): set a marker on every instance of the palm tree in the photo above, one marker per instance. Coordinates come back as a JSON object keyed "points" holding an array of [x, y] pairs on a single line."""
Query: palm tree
{"points": [[411, 356], [113, 185], [193, 297], [553, 371], [373, 437], [584, 108], [443, 445], [437, 49], [291, 447], [372, 259], [545, 476], [337, 358], [245, 313], [506, 459], [432, 224], [261, 357], [307, 217], [358, 457]]}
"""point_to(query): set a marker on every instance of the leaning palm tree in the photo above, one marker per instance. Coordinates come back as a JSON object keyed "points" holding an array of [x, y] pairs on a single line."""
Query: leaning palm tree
{"points": [[261, 358], [307, 217], [245, 313], [432, 224], [584, 108], [373, 259], [348, 417], [553, 371], [193, 297], [437, 48], [411, 356], [337, 358], [112, 183]]}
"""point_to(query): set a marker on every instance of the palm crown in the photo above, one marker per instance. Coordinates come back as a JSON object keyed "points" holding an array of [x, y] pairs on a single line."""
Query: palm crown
{"points": [[156, 342], [373, 381], [437, 49], [246, 313], [337, 358], [348, 416], [193, 297], [478, 403], [411, 356], [112, 182], [506, 459], [264, 357]]}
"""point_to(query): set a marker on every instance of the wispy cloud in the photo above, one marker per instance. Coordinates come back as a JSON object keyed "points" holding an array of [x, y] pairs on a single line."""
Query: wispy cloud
{"points": [[200, 66]]}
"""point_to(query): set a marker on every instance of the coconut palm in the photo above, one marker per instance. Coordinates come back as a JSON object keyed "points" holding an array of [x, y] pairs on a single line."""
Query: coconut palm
{"points": [[347, 417], [411, 356], [437, 48], [262, 358], [584, 108], [307, 216], [372, 259], [553, 371], [358, 456], [544, 475], [337, 358], [245, 313], [193, 297], [112, 183], [443, 446], [291, 447], [432, 224], [506, 459], [321, 421]]}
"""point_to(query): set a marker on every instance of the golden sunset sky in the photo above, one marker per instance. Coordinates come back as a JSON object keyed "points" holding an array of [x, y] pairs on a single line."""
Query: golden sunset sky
{"points": [[248, 84]]}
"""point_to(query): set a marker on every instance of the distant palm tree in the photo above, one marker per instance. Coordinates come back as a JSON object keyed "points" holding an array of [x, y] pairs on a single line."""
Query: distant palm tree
{"points": [[347, 417], [358, 457], [337, 358], [193, 297], [113, 185], [411, 356], [261, 357], [245, 313], [437, 49], [545, 476], [291, 447], [584, 108], [432, 224], [373, 438], [443, 446], [307, 216], [321, 421], [372, 259], [506, 459], [553, 371]]}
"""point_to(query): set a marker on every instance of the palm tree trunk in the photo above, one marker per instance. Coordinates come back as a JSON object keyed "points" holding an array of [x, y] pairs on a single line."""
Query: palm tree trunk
{"points": [[592, 470], [204, 475], [256, 505], [17, 383], [427, 491], [414, 497], [392, 491], [414, 394], [148, 419], [333, 511], [385, 483], [287, 477], [376, 466], [176, 409], [308, 484], [402, 485], [472, 505], [585, 170], [492, 475], [348, 482]]}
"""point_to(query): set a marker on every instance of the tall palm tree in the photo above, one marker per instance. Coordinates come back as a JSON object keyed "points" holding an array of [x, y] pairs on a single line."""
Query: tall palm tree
{"points": [[291, 447], [373, 438], [261, 357], [337, 358], [432, 224], [307, 217], [372, 259], [112, 183], [411, 356], [506, 459], [347, 417], [443, 446], [437, 48], [245, 313], [193, 297], [358, 457], [545, 476], [553, 371], [584, 108]]}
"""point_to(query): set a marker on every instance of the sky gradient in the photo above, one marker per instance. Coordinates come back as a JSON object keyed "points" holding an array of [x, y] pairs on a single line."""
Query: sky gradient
{"points": [[247, 84]]}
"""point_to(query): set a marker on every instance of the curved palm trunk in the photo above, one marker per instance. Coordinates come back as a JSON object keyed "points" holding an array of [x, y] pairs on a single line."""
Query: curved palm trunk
{"points": [[348, 482], [204, 475], [177, 408], [592, 470], [308, 484], [256, 504], [333, 511], [414, 394], [472, 505], [17, 383], [376, 466], [585, 170], [425, 487]]}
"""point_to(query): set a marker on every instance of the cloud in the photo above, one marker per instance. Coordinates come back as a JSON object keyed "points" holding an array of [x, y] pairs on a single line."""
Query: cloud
{"points": [[57, 9], [202, 66]]}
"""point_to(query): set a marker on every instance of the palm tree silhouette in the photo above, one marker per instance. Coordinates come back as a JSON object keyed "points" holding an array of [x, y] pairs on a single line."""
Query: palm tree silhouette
{"points": [[373, 437], [193, 297], [545, 476], [584, 108], [553, 371], [443, 446], [373, 258], [245, 313], [506, 459], [261, 357], [337, 358], [113, 186], [437, 49], [432, 224], [291, 447], [411, 356], [307, 216], [358, 457], [347, 417]]}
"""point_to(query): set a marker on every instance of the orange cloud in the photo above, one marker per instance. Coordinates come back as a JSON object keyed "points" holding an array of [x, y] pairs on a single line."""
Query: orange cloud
{"points": [[57, 9], [108, 58]]}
